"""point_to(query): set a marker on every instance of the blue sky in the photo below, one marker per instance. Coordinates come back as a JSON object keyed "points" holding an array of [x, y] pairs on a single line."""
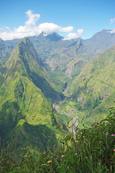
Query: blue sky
{"points": [[90, 15]]}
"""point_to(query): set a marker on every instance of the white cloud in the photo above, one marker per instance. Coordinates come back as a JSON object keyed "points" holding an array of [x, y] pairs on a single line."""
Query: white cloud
{"points": [[74, 35], [32, 18], [32, 28], [67, 29], [48, 27], [52, 27]]}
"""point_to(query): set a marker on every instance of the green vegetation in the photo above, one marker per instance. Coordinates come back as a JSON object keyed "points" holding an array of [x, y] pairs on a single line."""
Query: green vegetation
{"points": [[90, 150], [26, 112], [56, 120], [93, 89], [9, 117]]}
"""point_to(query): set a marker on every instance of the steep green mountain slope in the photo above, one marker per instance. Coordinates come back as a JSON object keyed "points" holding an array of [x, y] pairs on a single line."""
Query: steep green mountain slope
{"points": [[52, 90], [25, 100], [16, 133], [18, 86], [63, 59], [94, 89]]}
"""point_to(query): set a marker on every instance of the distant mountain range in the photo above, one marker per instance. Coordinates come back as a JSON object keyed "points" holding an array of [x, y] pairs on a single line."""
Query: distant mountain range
{"points": [[46, 81]]}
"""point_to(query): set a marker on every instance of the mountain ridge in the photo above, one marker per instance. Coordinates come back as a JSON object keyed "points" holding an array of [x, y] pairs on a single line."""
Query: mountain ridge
{"points": [[43, 89]]}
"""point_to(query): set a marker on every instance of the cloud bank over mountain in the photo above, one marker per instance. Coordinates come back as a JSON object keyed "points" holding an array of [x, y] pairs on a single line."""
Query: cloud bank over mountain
{"points": [[32, 27]]}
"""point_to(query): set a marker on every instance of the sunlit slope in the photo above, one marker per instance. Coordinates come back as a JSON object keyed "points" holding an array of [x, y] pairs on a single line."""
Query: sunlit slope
{"points": [[18, 86], [94, 89]]}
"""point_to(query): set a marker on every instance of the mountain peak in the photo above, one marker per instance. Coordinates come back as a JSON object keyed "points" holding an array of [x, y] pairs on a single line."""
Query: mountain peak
{"points": [[54, 37], [24, 51], [102, 34], [24, 42], [25, 45]]}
